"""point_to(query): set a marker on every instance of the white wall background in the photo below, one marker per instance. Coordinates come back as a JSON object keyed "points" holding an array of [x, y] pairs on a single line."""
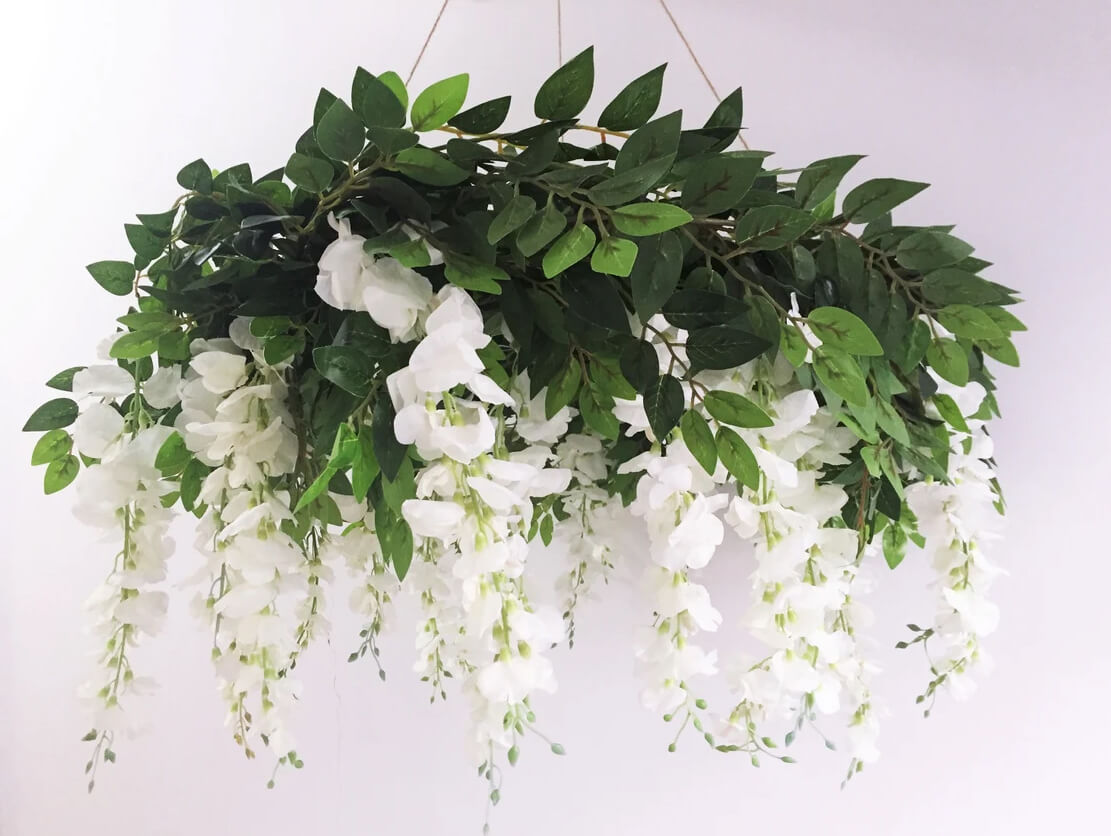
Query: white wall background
{"points": [[1001, 105]]}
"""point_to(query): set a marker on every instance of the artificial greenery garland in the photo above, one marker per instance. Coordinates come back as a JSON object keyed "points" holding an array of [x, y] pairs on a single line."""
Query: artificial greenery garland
{"points": [[416, 349]]}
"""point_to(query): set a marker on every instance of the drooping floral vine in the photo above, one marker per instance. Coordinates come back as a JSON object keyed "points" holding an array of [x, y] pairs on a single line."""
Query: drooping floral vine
{"points": [[426, 342]]}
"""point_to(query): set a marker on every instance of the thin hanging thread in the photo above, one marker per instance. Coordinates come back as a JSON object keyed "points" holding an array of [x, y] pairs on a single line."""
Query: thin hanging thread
{"points": [[427, 40], [697, 63], [559, 31]]}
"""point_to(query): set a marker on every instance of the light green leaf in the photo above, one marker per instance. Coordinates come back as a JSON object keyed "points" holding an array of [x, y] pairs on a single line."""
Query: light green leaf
{"points": [[136, 345], [1002, 350], [364, 468], [970, 322], [845, 331], [440, 102], [841, 373], [891, 422], [649, 218], [731, 408], [950, 412], [572, 247], [53, 445], [60, 473], [471, 273], [598, 416], [949, 360], [614, 256], [172, 456], [345, 366]]}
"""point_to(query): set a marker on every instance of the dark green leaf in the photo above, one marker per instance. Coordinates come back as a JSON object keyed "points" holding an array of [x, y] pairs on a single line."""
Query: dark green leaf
{"points": [[374, 101], [659, 139], [842, 330], [512, 217], [718, 184], [636, 103], [340, 133], [929, 250], [364, 469], [441, 101], [874, 198], [663, 404], [173, 456], [52, 415], [563, 389], [359, 331], [541, 230], [631, 183], [196, 177], [391, 141], [949, 286], [396, 86], [640, 365], [691, 309], [771, 227], [117, 277], [820, 179], [568, 89], [699, 440], [309, 173], [145, 243], [723, 347], [387, 449], [345, 366], [483, 118], [63, 380], [397, 545], [655, 273], [572, 247], [731, 408], [471, 273], [426, 166], [192, 478], [597, 416], [894, 545]]}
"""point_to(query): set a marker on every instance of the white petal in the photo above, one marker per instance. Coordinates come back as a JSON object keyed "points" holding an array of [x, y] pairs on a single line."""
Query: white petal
{"points": [[103, 381]]}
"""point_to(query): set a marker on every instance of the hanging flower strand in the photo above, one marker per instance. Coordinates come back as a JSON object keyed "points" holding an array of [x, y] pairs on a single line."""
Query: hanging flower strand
{"points": [[428, 342]]}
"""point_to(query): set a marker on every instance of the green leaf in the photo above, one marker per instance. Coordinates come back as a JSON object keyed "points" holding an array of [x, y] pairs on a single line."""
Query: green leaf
{"points": [[512, 217], [117, 277], [738, 459], [541, 230], [196, 177], [771, 227], [360, 331], [53, 445], [136, 345], [52, 415], [310, 173], [723, 347], [967, 321], [639, 364], [614, 257], [949, 360], [396, 86], [655, 273], [60, 473], [929, 250], [391, 141], [631, 183], [658, 140], [663, 404], [345, 366], [1006, 320], [894, 545], [173, 456], [729, 112], [374, 101], [793, 345], [699, 440], [718, 184], [841, 373], [482, 118], [283, 347], [568, 89], [572, 247], [471, 273], [63, 380], [690, 309], [340, 133], [875, 198], [597, 416], [192, 478], [950, 286], [649, 218], [891, 422], [731, 408], [948, 409], [387, 449], [820, 179], [364, 469], [411, 253], [439, 102], [396, 491], [397, 545], [636, 103], [844, 331], [1002, 350], [160, 224], [315, 490], [605, 375], [563, 389], [427, 166]]}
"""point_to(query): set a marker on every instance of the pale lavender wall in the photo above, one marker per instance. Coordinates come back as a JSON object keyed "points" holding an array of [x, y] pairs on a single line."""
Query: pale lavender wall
{"points": [[1001, 105]]}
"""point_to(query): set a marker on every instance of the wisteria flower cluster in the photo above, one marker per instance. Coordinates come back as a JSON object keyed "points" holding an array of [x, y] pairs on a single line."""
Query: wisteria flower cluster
{"points": [[426, 343]]}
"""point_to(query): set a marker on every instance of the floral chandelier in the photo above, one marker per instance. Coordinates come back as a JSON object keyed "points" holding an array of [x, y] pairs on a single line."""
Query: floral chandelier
{"points": [[426, 343]]}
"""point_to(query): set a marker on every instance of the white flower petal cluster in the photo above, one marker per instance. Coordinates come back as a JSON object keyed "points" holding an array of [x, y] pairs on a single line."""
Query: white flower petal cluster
{"points": [[264, 592], [350, 279], [959, 518]]}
